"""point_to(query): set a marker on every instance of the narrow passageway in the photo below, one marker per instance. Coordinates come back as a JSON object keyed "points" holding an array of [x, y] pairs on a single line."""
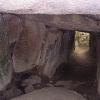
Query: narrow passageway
{"points": [[82, 63], [81, 46], [80, 72]]}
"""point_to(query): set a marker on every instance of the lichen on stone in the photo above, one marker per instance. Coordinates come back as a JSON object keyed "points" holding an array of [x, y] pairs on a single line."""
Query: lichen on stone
{"points": [[3, 65]]}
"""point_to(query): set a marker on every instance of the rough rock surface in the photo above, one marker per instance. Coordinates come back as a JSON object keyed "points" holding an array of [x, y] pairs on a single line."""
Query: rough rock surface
{"points": [[30, 83], [40, 46], [13, 26], [69, 21], [51, 94], [23, 40], [12, 92], [28, 46], [54, 52], [5, 62], [10, 28], [38, 41], [98, 64], [29, 89]]}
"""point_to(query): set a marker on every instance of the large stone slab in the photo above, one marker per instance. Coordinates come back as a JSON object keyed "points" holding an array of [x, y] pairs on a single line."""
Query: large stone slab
{"points": [[13, 26], [98, 62], [54, 52], [51, 94], [28, 46], [69, 21]]}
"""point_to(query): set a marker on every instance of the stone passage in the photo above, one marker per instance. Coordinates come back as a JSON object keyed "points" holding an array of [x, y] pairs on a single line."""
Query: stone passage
{"points": [[38, 45]]}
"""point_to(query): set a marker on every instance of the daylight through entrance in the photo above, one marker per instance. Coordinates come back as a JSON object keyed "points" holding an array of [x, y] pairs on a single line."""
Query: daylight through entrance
{"points": [[82, 40]]}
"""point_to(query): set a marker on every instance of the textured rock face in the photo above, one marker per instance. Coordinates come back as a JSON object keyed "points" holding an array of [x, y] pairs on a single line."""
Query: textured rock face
{"points": [[9, 30], [98, 64], [40, 46], [69, 21], [40, 41], [30, 44], [13, 26], [51, 94], [5, 63], [54, 52], [11, 93], [28, 47]]}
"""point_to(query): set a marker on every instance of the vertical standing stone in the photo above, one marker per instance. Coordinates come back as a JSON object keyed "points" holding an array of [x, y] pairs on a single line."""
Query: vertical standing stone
{"points": [[5, 61], [92, 45], [10, 29], [55, 51], [28, 46], [70, 38], [13, 26], [98, 62]]}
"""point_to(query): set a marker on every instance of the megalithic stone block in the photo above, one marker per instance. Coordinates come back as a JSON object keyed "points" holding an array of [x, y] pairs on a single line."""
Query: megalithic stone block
{"points": [[5, 62], [52, 93]]}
